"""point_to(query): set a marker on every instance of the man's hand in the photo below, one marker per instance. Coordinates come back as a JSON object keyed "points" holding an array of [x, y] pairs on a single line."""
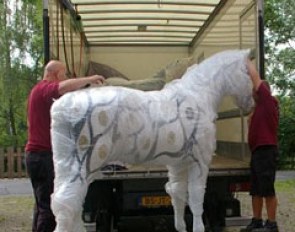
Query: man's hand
{"points": [[97, 80]]}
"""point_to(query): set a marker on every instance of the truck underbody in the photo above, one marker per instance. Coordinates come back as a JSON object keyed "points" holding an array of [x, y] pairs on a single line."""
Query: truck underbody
{"points": [[135, 199]]}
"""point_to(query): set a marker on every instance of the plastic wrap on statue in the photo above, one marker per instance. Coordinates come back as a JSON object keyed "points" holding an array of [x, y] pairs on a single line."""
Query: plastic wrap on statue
{"points": [[174, 126]]}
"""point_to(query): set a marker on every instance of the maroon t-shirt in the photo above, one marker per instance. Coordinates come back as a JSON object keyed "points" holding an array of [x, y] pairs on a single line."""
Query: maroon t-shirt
{"points": [[265, 120], [39, 103]]}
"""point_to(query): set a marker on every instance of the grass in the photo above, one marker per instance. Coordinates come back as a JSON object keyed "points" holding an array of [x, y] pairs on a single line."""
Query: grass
{"points": [[285, 186], [288, 187], [16, 213]]}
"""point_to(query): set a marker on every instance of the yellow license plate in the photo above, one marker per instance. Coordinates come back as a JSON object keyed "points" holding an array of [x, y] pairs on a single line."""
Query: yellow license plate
{"points": [[155, 201]]}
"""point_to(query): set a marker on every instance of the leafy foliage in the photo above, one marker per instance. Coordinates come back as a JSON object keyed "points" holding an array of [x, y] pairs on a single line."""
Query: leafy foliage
{"points": [[20, 63], [280, 68], [280, 44]]}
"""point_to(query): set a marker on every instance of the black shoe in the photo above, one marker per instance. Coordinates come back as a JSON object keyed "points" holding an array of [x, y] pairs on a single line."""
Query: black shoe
{"points": [[255, 224], [271, 226]]}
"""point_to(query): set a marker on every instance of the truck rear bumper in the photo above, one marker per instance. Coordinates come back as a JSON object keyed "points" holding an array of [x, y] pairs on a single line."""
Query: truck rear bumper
{"points": [[90, 227], [237, 221], [167, 222], [159, 223]]}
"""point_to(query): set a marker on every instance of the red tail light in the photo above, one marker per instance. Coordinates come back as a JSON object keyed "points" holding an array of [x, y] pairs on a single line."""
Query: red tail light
{"points": [[240, 187]]}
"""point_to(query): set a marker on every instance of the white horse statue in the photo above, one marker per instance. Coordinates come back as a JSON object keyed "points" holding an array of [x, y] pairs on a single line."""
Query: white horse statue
{"points": [[174, 127]]}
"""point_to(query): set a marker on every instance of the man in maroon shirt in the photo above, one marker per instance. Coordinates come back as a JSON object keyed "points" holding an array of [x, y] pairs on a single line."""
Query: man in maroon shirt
{"points": [[39, 159], [263, 143]]}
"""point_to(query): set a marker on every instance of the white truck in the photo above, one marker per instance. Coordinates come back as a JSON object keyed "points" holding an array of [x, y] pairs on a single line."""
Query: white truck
{"points": [[154, 41]]}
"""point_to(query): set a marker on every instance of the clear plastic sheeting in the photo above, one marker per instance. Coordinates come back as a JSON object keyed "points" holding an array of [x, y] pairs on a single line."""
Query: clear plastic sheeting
{"points": [[174, 126]]}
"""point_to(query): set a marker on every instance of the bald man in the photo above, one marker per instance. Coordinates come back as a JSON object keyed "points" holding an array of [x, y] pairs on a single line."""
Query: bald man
{"points": [[38, 148]]}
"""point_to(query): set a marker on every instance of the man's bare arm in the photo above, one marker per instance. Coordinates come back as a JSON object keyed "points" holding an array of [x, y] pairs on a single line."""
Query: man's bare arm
{"points": [[253, 73], [78, 83]]}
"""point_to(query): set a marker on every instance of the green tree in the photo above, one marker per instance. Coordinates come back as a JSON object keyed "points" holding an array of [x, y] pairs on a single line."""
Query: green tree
{"points": [[287, 132], [280, 44], [20, 63], [280, 68]]}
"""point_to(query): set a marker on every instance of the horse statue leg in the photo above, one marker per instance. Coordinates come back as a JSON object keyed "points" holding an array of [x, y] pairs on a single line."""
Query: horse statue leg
{"points": [[176, 187], [70, 185], [197, 177], [67, 202]]}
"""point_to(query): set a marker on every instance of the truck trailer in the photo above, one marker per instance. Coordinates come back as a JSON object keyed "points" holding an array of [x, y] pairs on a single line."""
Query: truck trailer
{"points": [[134, 42]]}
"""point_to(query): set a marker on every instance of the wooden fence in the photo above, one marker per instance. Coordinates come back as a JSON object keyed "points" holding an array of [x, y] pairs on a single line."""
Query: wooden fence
{"points": [[12, 163]]}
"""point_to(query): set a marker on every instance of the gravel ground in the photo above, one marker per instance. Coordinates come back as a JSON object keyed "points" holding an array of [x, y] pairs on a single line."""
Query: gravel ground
{"points": [[16, 210], [285, 188], [285, 213]]}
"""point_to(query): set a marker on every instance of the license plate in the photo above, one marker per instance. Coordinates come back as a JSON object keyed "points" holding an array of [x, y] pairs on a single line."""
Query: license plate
{"points": [[155, 201]]}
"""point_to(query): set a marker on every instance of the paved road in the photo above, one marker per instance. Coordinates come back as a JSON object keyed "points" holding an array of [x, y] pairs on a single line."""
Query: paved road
{"points": [[285, 175], [22, 186], [18, 186]]}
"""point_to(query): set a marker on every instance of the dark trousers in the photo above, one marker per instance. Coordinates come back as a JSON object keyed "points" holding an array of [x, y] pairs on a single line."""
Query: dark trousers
{"points": [[263, 171], [41, 172]]}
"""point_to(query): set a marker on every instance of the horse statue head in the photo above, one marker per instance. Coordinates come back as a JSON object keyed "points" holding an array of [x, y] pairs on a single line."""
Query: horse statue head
{"points": [[223, 74], [239, 82]]}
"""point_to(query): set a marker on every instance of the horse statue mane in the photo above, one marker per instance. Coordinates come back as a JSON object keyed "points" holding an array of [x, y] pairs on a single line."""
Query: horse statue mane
{"points": [[174, 126]]}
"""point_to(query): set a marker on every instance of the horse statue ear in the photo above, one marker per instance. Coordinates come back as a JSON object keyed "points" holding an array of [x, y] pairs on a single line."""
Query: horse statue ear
{"points": [[252, 54]]}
